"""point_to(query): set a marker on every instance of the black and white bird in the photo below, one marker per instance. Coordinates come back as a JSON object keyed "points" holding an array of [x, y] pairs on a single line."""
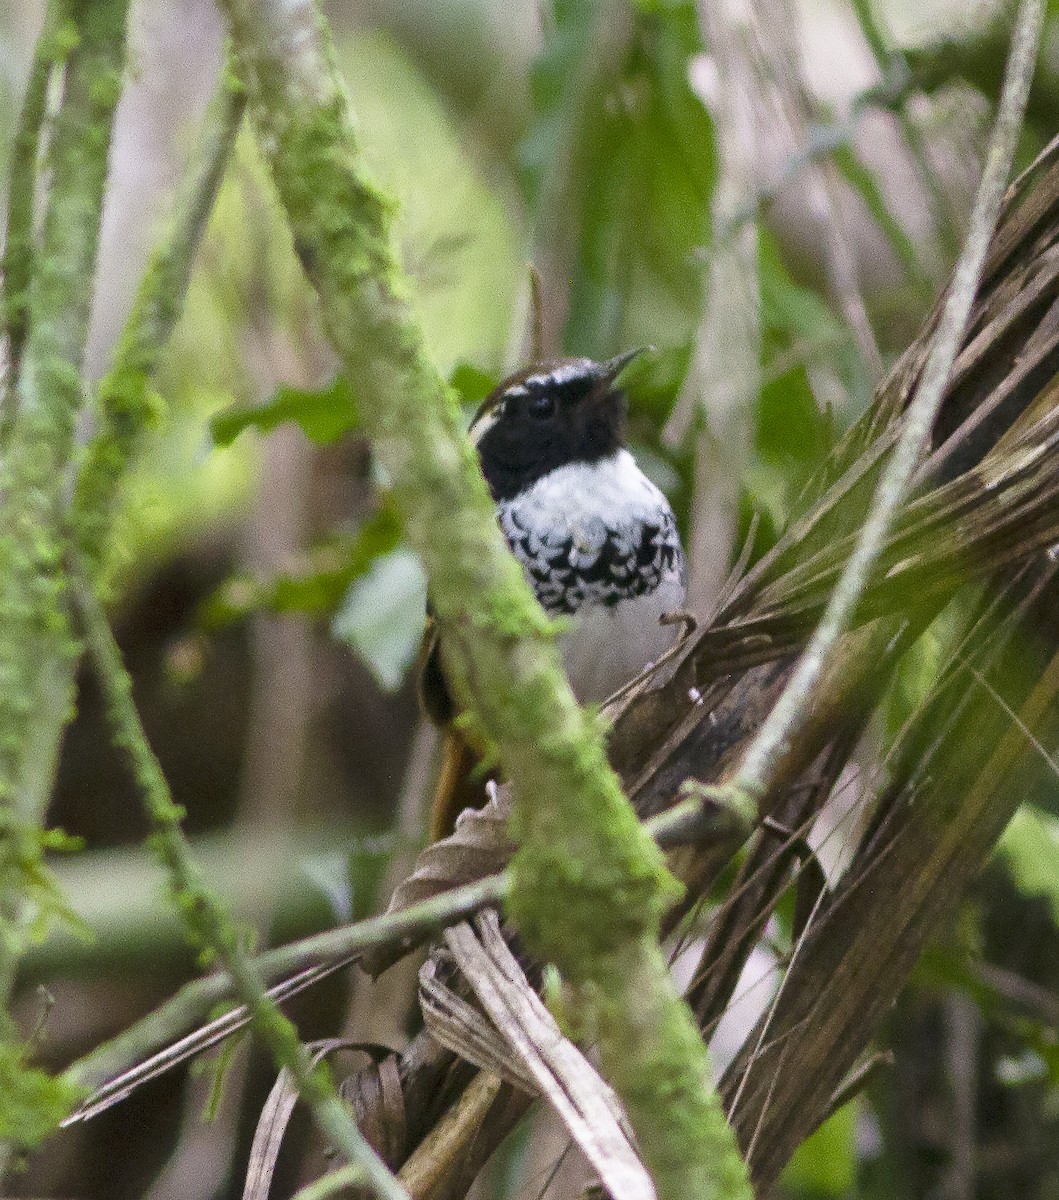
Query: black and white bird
{"points": [[597, 539]]}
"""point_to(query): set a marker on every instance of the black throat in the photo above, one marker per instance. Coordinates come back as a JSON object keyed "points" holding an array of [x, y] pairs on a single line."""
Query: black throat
{"points": [[543, 419]]}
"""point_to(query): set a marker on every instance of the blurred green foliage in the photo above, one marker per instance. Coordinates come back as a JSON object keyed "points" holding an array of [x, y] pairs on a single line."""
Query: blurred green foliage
{"points": [[324, 414], [1030, 850], [606, 182], [382, 615], [620, 164], [34, 1102], [825, 1165]]}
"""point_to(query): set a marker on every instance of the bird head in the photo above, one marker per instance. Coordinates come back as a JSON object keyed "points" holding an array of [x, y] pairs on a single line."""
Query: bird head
{"points": [[552, 414]]}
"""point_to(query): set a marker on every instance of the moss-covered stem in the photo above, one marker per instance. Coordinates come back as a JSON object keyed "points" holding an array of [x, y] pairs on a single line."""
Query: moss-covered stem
{"points": [[701, 817], [208, 925], [588, 884], [757, 769], [124, 408], [124, 403], [17, 263], [315, 955], [37, 649]]}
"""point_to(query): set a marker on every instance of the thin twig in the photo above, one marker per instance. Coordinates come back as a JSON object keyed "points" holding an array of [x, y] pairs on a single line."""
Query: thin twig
{"points": [[858, 1080], [124, 402], [204, 916], [446, 1143], [17, 263], [298, 966], [160, 1041], [536, 286], [759, 764], [766, 1024], [348, 1177]]}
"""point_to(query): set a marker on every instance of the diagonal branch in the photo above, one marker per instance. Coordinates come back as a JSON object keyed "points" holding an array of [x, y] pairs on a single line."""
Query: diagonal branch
{"points": [[588, 886], [207, 924], [161, 1040]]}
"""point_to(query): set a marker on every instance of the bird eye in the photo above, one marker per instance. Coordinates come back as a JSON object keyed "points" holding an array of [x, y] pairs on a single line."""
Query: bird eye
{"points": [[541, 407]]}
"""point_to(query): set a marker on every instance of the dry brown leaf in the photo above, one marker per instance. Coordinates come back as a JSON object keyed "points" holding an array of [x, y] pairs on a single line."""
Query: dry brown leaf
{"points": [[463, 1028], [278, 1108], [566, 1079], [479, 846]]}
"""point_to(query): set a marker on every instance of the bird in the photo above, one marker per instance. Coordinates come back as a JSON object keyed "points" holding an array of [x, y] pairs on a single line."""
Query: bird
{"points": [[597, 540]]}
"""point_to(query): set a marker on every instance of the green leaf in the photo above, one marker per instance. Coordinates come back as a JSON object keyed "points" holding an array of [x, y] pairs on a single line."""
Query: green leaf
{"points": [[825, 1164], [621, 157], [382, 616], [472, 384], [323, 415], [1030, 850]]}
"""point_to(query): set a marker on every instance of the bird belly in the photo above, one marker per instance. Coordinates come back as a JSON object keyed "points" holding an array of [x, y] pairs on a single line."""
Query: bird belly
{"points": [[608, 645]]}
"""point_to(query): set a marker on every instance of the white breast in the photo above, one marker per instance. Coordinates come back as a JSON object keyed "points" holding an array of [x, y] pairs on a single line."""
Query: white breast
{"points": [[584, 500]]}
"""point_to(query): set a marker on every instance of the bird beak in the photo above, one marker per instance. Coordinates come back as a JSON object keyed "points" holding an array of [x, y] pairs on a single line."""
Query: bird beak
{"points": [[613, 367]]}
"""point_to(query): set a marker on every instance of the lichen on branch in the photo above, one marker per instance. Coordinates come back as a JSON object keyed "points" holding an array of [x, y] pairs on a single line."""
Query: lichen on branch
{"points": [[589, 886], [37, 646]]}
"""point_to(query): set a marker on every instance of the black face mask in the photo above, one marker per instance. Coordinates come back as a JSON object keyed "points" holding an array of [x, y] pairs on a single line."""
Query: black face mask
{"points": [[549, 416]]}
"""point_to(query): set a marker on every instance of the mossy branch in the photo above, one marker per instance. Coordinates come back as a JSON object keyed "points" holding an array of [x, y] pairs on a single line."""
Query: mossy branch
{"points": [[46, 307], [588, 885], [124, 404], [313, 958], [137, 1054], [208, 926], [17, 263], [37, 647]]}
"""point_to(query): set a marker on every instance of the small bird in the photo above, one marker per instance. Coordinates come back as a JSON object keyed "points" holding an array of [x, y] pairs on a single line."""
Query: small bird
{"points": [[597, 540]]}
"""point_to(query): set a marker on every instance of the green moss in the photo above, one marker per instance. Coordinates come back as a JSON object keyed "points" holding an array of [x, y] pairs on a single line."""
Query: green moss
{"points": [[649, 1045], [63, 42], [37, 646], [34, 1102], [589, 888], [106, 89]]}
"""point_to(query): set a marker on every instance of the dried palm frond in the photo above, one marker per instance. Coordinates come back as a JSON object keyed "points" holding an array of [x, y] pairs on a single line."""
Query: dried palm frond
{"points": [[986, 507], [978, 526]]}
